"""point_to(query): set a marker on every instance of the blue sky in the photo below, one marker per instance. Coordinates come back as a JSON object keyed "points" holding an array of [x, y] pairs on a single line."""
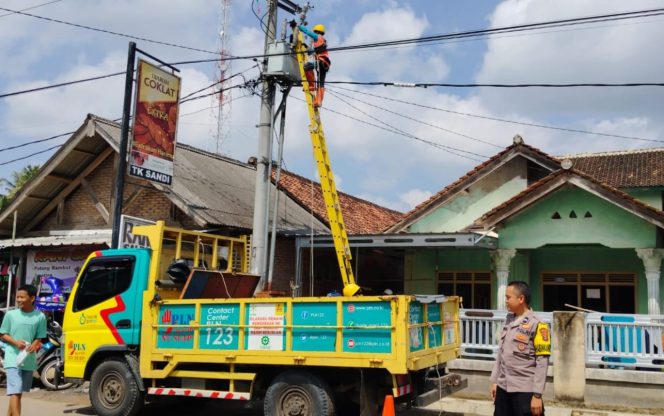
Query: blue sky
{"points": [[389, 169]]}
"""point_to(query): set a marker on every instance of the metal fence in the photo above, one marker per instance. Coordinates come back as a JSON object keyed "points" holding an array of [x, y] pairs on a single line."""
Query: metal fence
{"points": [[612, 340], [624, 341]]}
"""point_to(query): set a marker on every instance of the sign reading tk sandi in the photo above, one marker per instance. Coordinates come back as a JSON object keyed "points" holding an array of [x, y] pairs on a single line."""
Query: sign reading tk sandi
{"points": [[155, 124]]}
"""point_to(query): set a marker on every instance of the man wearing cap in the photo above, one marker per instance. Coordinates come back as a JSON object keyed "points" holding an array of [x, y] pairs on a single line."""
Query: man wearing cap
{"points": [[519, 374]]}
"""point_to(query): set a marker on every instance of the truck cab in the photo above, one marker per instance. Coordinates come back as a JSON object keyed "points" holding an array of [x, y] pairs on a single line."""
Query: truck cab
{"points": [[103, 315]]}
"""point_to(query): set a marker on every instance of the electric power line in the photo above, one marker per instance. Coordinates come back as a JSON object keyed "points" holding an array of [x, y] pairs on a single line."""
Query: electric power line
{"points": [[486, 85], [214, 106], [421, 40], [47, 87], [514, 28], [115, 120], [219, 82], [57, 136], [396, 131], [30, 155], [110, 32], [420, 121], [30, 8], [502, 120], [263, 26]]}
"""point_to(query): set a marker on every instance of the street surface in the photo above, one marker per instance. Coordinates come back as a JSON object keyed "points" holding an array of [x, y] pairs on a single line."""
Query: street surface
{"points": [[76, 402]]}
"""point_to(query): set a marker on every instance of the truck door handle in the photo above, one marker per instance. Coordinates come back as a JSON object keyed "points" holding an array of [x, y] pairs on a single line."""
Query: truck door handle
{"points": [[123, 324]]}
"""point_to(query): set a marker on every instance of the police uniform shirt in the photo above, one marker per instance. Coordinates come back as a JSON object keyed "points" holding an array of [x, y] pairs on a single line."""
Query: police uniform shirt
{"points": [[523, 354]]}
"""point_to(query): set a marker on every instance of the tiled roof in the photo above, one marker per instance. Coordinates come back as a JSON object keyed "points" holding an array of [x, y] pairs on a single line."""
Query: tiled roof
{"points": [[612, 193], [360, 216], [625, 169], [462, 182]]}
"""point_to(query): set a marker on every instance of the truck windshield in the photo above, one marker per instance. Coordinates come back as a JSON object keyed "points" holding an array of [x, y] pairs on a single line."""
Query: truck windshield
{"points": [[104, 278]]}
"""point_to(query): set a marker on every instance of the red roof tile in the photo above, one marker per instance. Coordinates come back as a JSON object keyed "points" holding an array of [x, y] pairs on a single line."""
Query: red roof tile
{"points": [[360, 216], [626, 169]]}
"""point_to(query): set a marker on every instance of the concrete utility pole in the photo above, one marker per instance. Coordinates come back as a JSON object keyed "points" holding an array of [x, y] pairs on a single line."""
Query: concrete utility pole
{"points": [[259, 233]]}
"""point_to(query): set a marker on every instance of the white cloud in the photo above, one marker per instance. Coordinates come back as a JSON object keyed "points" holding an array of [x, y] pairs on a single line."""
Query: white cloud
{"points": [[414, 197], [612, 52], [387, 168]]}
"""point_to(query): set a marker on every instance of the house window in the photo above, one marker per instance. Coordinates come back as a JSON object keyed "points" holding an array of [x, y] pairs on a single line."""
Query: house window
{"points": [[600, 292], [473, 286]]}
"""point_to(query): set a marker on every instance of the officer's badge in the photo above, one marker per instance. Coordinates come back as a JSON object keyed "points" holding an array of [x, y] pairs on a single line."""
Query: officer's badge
{"points": [[542, 340], [521, 337], [521, 346]]}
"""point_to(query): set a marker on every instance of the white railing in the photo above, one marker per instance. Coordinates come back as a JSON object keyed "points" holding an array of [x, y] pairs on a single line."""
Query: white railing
{"points": [[480, 331], [624, 341], [612, 340]]}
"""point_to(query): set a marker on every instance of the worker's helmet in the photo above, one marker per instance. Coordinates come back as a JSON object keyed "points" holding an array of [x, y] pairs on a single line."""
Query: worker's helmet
{"points": [[319, 29], [351, 289]]}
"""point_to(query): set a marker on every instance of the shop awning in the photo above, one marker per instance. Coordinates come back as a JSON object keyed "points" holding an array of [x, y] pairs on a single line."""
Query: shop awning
{"points": [[73, 238]]}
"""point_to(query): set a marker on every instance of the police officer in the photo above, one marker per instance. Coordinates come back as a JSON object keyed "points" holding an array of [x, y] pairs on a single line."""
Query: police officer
{"points": [[519, 374]]}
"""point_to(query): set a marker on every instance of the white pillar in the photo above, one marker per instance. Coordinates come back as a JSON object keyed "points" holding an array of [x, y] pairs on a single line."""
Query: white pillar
{"points": [[501, 262], [652, 261]]}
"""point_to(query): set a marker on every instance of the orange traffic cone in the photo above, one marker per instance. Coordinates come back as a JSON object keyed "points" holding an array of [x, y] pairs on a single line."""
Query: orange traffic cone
{"points": [[388, 406]]}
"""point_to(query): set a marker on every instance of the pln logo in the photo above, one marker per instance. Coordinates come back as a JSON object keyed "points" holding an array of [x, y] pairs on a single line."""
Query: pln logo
{"points": [[75, 347], [173, 330]]}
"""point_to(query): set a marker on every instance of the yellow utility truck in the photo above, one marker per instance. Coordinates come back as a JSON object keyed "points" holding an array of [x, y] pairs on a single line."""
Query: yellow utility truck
{"points": [[181, 319]]}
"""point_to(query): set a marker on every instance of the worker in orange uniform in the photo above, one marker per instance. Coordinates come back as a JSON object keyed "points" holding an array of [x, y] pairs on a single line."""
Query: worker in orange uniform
{"points": [[321, 62]]}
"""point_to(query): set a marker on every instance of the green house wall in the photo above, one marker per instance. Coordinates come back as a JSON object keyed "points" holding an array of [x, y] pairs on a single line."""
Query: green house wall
{"points": [[609, 225], [651, 196], [422, 267], [591, 260], [465, 207]]}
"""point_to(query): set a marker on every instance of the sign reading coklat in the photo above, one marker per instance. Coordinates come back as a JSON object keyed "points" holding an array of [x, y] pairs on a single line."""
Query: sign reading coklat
{"points": [[155, 124]]}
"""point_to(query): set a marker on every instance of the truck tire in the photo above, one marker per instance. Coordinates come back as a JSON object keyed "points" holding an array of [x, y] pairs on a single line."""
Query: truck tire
{"points": [[298, 393], [114, 390]]}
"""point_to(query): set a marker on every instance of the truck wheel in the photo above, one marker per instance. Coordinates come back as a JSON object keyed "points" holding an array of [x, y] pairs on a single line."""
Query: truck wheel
{"points": [[298, 393], [114, 390]]}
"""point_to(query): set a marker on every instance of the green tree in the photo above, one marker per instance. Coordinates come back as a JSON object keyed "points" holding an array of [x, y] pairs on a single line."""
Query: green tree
{"points": [[18, 179]]}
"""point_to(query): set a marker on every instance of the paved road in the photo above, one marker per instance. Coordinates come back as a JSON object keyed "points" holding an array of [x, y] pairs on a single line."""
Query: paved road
{"points": [[71, 402]]}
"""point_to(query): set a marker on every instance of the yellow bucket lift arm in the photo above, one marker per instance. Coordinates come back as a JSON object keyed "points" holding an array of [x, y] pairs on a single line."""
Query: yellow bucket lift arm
{"points": [[328, 187]]}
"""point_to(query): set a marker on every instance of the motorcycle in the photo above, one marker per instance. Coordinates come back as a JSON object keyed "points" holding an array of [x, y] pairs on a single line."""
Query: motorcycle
{"points": [[49, 360]]}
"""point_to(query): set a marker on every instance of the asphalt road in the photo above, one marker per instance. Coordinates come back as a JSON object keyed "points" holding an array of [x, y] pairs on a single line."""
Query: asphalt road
{"points": [[76, 402]]}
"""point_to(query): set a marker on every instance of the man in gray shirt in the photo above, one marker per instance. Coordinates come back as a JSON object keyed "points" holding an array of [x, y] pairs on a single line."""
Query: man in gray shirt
{"points": [[519, 374]]}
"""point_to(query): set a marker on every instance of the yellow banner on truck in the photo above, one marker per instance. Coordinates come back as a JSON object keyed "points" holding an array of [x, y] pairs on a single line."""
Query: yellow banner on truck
{"points": [[155, 124]]}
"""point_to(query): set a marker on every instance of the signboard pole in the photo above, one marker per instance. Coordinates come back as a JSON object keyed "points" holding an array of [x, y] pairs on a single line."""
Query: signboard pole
{"points": [[124, 138]]}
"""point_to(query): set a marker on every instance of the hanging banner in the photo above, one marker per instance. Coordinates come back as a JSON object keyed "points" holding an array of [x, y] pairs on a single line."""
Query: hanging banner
{"points": [[155, 124], [62, 263]]}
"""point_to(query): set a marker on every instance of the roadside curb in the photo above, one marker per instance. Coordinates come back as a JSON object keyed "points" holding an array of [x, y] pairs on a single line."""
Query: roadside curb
{"points": [[485, 408]]}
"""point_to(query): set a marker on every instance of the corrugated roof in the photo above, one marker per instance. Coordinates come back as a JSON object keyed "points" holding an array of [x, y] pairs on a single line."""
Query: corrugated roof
{"points": [[220, 190], [623, 169], [360, 216], [79, 238], [212, 189]]}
